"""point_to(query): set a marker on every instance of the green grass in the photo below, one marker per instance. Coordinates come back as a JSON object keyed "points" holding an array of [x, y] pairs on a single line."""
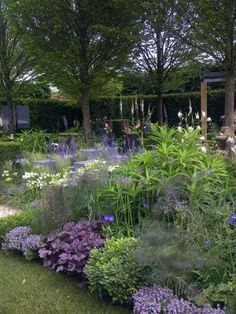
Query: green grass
{"points": [[28, 287]]}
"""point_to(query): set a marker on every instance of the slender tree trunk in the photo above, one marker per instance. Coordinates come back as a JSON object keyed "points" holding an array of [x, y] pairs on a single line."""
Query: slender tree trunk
{"points": [[86, 116], [229, 98], [230, 7], [159, 76], [84, 79], [11, 109], [160, 107]]}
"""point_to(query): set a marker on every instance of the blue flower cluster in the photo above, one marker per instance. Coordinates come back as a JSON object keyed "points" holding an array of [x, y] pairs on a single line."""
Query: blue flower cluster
{"points": [[157, 300]]}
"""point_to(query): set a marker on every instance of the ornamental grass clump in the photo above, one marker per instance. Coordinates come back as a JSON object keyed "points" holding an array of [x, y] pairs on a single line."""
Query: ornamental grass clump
{"points": [[67, 250], [158, 300], [21, 240]]}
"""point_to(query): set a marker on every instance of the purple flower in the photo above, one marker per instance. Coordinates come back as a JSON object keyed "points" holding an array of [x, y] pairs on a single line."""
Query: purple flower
{"points": [[65, 122], [231, 220], [108, 218], [160, 300], [21, 240], [73, 146], [145, 203]]}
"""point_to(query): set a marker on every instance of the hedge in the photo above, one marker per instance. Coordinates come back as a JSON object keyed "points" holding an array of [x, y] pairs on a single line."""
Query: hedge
{"points": [[173, 103], [48, 114], [9, 151]]}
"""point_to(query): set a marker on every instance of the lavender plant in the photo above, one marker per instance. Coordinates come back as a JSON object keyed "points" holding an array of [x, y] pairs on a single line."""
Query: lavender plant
{"points": [[67, 250]]}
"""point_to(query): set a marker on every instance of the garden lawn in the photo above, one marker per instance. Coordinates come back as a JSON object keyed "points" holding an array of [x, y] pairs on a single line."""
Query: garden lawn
{"points": [[28, 287]]}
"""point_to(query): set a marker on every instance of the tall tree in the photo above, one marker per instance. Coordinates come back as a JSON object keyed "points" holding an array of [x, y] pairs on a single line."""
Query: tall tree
{"points": [[211, 26], [80, 44], [15, 63], [160, 51]]}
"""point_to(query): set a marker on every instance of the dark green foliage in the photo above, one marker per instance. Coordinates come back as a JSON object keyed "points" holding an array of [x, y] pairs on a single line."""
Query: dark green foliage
{"points": [[110, 107], [9, 151], [119, 127], [11, 222], [47, 114]]}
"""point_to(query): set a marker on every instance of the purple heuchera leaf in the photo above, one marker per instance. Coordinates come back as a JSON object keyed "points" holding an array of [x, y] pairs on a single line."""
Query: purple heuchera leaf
{"points": [[68, 249]]}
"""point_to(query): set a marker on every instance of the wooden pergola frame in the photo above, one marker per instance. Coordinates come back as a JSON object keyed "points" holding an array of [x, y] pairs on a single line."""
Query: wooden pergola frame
{"points": [[212, 77]]}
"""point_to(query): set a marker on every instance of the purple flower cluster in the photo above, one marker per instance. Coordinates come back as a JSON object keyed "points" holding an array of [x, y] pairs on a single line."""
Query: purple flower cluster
{"points": [[68, 249], [21, 240], [63, 148], [157, 300]]}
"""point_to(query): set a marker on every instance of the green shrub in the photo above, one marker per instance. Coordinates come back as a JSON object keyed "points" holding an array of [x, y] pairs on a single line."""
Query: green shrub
{"points": [[10, 222], [9, 151], [112, 270]]}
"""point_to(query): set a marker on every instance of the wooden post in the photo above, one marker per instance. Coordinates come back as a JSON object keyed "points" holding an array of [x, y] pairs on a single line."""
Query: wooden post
{"points": [[204, 107]]}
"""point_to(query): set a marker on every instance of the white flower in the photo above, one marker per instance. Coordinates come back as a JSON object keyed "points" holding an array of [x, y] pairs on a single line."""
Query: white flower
{"points": [[203, 114], [202, 138], [180, 115], [209, 119], [190, 128], [197, 116], [198, 127], [112, 168], [203, 149], [231, 140], [179, 128], [190, 109]]}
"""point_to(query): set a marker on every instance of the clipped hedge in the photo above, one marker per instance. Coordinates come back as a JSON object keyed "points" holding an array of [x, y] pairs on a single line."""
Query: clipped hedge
{"points": [[9, 151], [110, 107], [47, 114]]}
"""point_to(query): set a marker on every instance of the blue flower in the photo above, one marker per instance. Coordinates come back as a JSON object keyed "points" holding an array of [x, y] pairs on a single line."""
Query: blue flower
{"points": [[232, 219], [108, 218], [145, 203]]}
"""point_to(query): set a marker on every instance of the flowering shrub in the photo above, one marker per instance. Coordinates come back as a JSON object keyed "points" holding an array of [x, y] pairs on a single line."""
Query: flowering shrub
{"points": [[156, 300], [112, 269], [21, 240], [68, 249]]}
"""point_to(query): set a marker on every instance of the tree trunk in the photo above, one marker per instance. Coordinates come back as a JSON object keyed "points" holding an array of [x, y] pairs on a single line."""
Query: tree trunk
{"points": [[11, 110], [159, 108], [230, 7], [229, 98], [84, 81], [159, 76], [86, 116]]}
